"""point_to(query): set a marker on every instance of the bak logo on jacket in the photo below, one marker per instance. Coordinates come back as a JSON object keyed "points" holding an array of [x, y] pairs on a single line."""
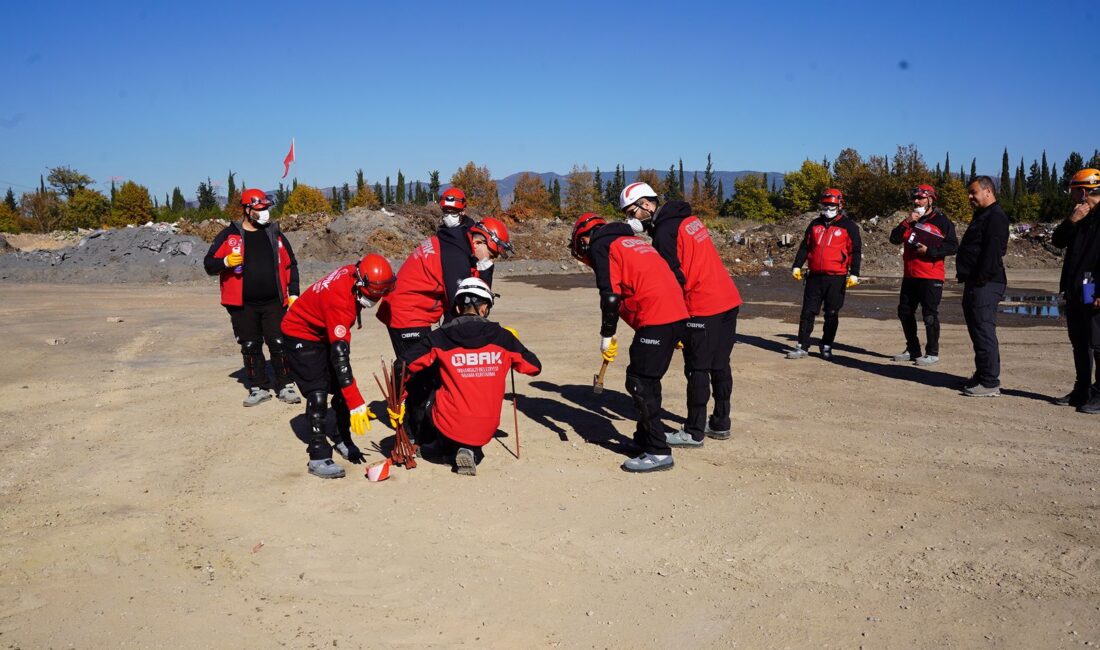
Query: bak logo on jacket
{"points": [[476, 359]]}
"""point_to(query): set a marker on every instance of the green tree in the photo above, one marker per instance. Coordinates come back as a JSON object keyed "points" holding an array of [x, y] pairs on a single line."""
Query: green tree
{"points": [[973, 171], [334, 200], [680, 182], [67, 180], [750, 200], [207, 201], [305, 199], [953, 200], [672, 192], [1028, 207], [345, 195], [433, 185], [365, 197], [132, 205], [1074, 163], [580, 193], [9, 200], [388, 200], [400, 188], [231, 186], [87, 209], [1004, 189], [555, 197], [804, 187], [479, 186], [708, 206], [179, 204]]}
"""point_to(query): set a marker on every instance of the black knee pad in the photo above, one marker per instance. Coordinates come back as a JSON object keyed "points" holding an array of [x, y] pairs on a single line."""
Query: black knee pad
{"points": [[316, 406], [276, 344], [931, 319], [250, 347]]}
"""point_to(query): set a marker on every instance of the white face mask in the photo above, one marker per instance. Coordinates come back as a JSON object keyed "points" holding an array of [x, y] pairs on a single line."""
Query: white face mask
{"points": [[451, 220], [484, 265], [920, 210], [635, 225], [365, 302], [830, 213], [261, 217]]}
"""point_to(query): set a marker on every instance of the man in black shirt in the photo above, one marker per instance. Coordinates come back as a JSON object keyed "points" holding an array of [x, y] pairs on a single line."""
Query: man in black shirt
{"points": [[979, 265], [259, 281]]}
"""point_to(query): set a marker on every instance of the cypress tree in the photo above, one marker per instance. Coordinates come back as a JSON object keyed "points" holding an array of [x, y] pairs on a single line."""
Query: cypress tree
{"points": [[1044, 172], [947, 165], [378, 191], [709, 189], [389, 192], [680, 183], [433, 185], [360, 181], [345, 195], [1074, 163], [555, 196], [672, 192], [721, 196], [597, 182], [230, 185], [179, 204], [973, 170], [1006, 180], [400, 187], [42, 184], [9, 200], [939, 174], [113, 192]]}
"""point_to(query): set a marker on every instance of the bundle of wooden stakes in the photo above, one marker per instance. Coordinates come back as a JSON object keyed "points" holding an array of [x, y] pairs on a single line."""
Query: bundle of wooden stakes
{"points": [[403, 452]]}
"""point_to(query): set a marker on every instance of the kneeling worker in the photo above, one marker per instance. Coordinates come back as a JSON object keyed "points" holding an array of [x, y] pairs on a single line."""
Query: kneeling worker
{"points": [[473, 356], [318, 333]]}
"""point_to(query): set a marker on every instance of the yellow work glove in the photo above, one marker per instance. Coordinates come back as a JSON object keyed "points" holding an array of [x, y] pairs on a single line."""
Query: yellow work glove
{"points": [[513, 331], [398, 416], [797, 274], [234, 259], [679, 345], [609, 348], [852, 281], [360, 420], [290, 301]]}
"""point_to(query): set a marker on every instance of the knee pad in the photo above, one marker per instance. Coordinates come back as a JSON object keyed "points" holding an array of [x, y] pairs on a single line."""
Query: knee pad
{"points": [[276, 344], [904, 311], [931, 319], [832, 314], [250, 347], [316, 405]]}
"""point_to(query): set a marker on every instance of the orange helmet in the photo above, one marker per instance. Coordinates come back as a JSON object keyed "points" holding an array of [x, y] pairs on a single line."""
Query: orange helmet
{"points": [[453, 200], [1086, 179], [584, 225], [255, 199], [924, 191], [374, 277], [496, 236], [832, 196]]}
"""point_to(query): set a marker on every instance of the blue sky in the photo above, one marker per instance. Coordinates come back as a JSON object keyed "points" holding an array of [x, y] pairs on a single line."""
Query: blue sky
{"points": [[167, 94]]}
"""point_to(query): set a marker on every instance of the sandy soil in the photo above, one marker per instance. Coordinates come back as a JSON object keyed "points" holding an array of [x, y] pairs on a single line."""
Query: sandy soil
{"points": [[861, 503]]}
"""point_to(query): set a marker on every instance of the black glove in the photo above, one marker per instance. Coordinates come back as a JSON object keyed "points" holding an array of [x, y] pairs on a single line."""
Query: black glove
{"points": [[354, 455]]}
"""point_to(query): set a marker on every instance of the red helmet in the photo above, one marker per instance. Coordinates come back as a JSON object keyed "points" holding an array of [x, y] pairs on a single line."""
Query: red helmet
{"points": [[924, 191], [832, 196], [496, 236], [453, 200], [584, 225], [255, 199], [374, 277]]}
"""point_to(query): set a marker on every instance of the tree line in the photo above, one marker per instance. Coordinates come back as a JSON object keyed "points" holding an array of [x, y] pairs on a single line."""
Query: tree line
{"points": [[873, 186]]}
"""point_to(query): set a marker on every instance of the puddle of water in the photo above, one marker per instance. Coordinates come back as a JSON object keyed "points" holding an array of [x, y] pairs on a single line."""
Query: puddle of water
{"points": [[1035, 306]]}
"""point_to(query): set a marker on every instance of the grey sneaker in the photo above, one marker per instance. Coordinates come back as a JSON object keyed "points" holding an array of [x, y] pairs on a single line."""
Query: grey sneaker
{"points": [[325, 468], [927, 360], [289, 395], [465, 463], [256, 396], [682, 438], [648, 463], [798, 353], [717, 434], [342, 449], [982, 391], [904, 356]]}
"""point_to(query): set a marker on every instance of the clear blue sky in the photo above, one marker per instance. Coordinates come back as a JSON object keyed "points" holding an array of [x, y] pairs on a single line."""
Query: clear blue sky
{"points": [[167, 94]]}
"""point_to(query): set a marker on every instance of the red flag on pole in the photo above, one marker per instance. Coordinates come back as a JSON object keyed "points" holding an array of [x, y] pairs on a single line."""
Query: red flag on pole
{"points": [[289, 159]]}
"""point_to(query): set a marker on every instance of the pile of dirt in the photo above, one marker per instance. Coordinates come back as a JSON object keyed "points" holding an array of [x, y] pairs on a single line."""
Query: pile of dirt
{"points": [[5, 247], [205, 230], [135, 254]]}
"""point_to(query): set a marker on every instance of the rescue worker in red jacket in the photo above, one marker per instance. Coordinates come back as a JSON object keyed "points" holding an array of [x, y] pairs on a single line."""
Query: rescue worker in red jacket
{"points": [[712, 301], [473, 356], [928, 236], [318, 332], [259, 280], [636, 284], [832, 249], [426, 286]]}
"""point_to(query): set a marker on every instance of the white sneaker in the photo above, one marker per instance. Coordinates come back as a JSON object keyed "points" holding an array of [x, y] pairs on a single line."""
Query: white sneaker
{"points": [[256, 396], [904, 356], [927, 360], [798, 353], [648, 463]]}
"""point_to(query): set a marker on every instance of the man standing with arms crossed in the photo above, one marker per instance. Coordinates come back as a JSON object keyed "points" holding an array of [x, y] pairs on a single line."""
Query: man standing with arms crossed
{"points": [[980, 267], [928, 237], [712, 301]]}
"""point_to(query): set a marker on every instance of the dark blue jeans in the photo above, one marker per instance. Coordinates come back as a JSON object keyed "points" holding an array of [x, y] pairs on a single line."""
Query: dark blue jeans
{"points": [[979, 305]]}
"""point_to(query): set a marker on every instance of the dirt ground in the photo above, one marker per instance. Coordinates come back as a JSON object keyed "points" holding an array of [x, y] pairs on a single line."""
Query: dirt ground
{"points": [[859, 504]]}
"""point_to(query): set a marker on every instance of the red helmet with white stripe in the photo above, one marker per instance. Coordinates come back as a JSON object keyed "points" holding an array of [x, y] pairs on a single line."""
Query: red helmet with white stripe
{"points": [[255, 199], [832, 196], [453, 200], [924, 191]]}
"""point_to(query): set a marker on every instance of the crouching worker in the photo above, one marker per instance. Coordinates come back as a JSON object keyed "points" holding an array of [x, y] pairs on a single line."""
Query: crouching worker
{"points": [[473, 356], [318, 333]]}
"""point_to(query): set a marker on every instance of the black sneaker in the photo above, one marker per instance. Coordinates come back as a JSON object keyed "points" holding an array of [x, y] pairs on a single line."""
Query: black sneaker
{"points": [[1092, 406], [1073, 398]]}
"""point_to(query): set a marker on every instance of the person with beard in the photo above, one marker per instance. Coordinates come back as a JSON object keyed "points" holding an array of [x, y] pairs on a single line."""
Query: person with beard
{"points": [[318, 332], [712, 301], [833, 250], [927, 237], [1079, 234], [258, 274]]}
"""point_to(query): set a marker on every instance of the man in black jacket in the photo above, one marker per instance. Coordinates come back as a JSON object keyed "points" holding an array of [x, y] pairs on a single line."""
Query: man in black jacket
{"points": [[1079, 234], [980, 267]]}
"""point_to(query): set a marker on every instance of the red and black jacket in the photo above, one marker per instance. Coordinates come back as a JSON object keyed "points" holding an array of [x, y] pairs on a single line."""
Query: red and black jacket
{"points": [[474, 356], [325, 313], [428, 280], [831, 247], [930, 265], [232, 284], [685, 243], [632, 269]]}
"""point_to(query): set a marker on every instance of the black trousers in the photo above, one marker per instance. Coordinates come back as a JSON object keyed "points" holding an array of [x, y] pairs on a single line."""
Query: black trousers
{"points": [[979, 305], [312, 369], [927, 293], [253, 325], [821, 289], [1083, 324], [708, 344], [650, 355], [418, 386]]}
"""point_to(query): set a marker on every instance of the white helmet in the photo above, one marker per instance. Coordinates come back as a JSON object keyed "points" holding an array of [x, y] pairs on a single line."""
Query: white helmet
{"points": [[634, 192], [473, 290]]}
